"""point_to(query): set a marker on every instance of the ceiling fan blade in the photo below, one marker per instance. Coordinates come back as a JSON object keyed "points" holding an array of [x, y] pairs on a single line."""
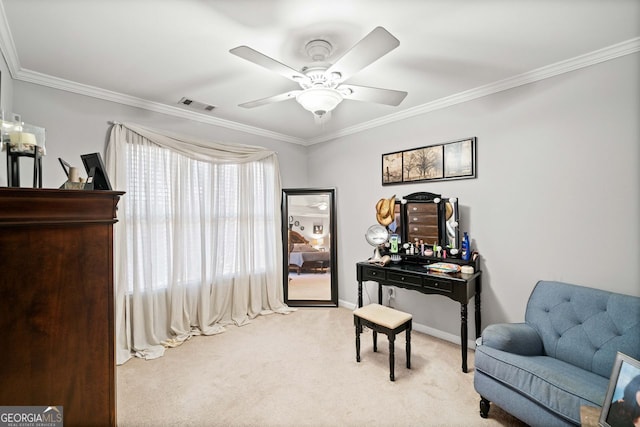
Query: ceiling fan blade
{"points": [[373, 46], [271, 99], [252, 55], [373, 94]]}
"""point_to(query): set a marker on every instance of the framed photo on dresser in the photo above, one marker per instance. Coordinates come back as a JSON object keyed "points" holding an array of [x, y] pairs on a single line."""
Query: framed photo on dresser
{"points": [[622, 402]]}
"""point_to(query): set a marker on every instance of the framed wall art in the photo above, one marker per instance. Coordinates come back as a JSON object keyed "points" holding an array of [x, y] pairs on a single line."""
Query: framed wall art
{"points": [[422, 164], [392, 168], [446, 161]]}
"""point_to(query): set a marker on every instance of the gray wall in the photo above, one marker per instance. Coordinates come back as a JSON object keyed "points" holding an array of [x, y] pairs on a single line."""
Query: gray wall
{"points": [[78, 124], [6, 105], [6, 87], [557, 193]]}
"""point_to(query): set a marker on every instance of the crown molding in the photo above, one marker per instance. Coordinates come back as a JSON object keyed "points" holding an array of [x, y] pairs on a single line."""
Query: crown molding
{"points": [[7, 47], [8, 50], [107, 95], [611, 52], [18, 73]]}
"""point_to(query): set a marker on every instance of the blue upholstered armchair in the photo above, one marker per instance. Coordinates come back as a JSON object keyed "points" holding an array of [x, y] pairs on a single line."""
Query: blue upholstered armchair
{"points": [[560, 358]]}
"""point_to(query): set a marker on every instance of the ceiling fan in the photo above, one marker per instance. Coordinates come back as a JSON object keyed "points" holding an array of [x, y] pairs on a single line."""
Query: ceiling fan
{"points": [[322, 85]]}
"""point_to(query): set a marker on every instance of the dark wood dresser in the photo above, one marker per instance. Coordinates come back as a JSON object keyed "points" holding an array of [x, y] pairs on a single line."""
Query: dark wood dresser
{"points": [[57, 302]]}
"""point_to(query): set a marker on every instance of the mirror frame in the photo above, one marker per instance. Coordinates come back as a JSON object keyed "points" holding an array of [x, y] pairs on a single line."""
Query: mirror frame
{"points": [[333, 238], [455, 219]]}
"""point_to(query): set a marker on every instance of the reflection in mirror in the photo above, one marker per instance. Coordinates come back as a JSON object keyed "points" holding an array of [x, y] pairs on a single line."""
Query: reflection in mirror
{"points": [[309, 249], [422, 222], [429, 218], [451, 223]]}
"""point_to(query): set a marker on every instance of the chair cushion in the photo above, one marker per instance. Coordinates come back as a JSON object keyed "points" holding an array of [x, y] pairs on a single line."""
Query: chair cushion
{"points": [[383, 316], [550, 382]]}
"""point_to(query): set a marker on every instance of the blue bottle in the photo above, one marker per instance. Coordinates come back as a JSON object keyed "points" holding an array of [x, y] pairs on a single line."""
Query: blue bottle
{"points": [[466, 250]]}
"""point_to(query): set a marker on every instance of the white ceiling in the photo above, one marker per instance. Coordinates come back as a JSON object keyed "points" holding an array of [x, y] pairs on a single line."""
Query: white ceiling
{"points": [[151, 53]]}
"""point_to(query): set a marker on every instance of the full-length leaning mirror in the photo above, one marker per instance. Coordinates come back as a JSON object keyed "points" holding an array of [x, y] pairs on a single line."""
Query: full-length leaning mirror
{"points": [[309, 247]]}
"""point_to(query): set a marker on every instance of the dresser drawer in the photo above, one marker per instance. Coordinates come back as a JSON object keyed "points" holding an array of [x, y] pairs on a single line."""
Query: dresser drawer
{"points": [[423, 219], [440, 285], [430, 218], [423, 229], [428, 234], [373, 274], [401, 278], [422, 208]]}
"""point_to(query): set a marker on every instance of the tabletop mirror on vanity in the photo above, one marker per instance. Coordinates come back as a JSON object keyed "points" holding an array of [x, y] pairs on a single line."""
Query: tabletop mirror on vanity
{"points": [[432, 220]]}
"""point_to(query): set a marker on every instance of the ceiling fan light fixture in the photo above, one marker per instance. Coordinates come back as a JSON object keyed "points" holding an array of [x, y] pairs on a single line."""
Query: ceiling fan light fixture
{"points": [[321, 82], [318, 50], [319, 100]]}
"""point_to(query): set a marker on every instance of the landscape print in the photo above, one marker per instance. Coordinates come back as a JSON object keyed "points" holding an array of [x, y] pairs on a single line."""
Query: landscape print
{"points": [[449, 160], [423, 163], [392, 168], [458, 156]]}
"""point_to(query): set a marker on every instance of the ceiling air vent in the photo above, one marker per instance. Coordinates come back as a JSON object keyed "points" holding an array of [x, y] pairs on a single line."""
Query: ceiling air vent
{"points": [[196, 105]]}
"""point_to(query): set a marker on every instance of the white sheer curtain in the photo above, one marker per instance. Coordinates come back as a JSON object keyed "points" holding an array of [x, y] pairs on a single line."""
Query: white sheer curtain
{"points": [[198, 244]]}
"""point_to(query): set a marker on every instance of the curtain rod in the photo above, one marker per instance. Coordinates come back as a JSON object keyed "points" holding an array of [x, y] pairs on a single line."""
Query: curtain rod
{"points": [[113, 122]]}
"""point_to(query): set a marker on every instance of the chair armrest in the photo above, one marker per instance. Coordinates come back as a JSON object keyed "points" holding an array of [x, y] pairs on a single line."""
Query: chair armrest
{"points": [[516, 338]]}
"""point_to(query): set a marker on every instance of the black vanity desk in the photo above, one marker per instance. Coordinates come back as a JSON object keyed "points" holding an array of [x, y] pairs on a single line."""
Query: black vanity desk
{"points": [[415, 276]]}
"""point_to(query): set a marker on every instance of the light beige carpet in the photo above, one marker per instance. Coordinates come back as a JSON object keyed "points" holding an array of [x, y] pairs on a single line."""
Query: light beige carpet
{"points": [[300, 370], [310, 286]]}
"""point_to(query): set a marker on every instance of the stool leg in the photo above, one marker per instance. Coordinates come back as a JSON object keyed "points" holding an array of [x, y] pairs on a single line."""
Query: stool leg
{"points": [[408, 348], [358, 328], [392, 357], [375, 341]]}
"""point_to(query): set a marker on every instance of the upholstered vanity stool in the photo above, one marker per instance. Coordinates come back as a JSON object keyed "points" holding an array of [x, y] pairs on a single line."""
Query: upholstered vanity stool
{"points": [[387, 321]]}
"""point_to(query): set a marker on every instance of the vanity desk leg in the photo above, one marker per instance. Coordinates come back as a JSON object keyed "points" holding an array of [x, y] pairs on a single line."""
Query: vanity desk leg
{"points": [[477, 301], [463, 335], [478, 318]]}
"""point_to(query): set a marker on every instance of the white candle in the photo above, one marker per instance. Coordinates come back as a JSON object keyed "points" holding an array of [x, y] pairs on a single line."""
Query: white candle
{"points": [[73, 175]]}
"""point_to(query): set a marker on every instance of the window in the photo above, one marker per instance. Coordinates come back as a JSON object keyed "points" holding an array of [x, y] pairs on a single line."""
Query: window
{"points": [[187, 220]]}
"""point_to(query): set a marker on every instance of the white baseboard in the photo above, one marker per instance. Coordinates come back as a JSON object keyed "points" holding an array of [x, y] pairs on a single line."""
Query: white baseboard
{"points": [[346, 304]]}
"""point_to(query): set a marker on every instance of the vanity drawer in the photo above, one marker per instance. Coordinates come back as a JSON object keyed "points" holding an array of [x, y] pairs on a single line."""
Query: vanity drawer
{"points": [[373, 274], [440, 285], [404, 279]]}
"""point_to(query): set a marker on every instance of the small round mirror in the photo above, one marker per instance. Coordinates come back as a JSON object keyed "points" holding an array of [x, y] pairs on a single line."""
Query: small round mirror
{"points": [[376, 236]]}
